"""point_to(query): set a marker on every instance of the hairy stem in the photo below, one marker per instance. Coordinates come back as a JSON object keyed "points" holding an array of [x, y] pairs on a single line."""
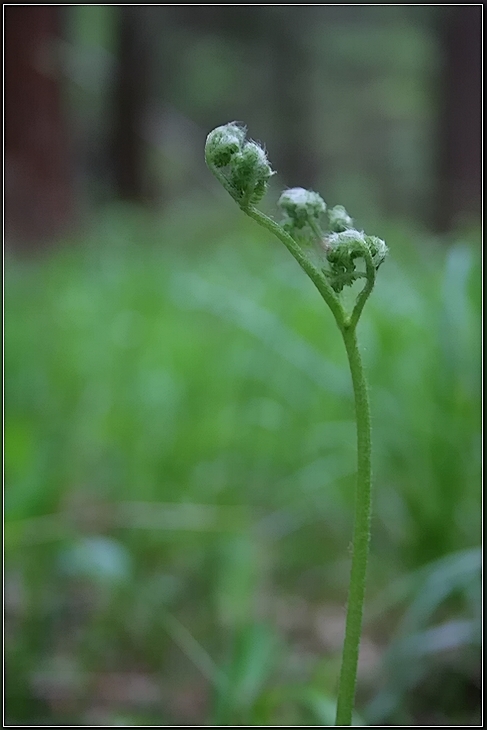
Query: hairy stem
{"points": [[361, 534], [366, 291]]}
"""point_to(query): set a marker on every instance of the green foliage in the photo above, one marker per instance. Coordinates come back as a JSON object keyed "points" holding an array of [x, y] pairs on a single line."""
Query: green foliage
{"points": [[253, 658], [425, 632], [202, 422]]}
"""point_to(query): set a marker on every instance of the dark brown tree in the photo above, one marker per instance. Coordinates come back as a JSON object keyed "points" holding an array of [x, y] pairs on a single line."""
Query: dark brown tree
{"points": [[292, 97], [130, 106], [38, 183], [460, 165]]}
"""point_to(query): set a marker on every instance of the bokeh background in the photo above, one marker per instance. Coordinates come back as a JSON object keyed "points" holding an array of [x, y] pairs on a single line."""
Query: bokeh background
{"points": [[179, 435]]}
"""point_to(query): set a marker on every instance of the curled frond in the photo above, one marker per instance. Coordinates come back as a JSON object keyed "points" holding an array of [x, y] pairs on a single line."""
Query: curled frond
{"points": [[241, 165]]}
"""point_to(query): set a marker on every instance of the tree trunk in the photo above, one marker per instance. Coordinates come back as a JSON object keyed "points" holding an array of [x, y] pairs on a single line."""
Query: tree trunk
{"points": [[460, 121], [38, 181], [130, 107], [292, 102]]}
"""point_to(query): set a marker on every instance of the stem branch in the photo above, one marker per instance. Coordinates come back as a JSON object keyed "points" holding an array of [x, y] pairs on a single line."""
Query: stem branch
{"points": [[366, 291], [361, 536], [318, 279]]}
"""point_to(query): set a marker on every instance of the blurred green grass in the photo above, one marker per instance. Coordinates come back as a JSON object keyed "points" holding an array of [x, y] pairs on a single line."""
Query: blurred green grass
{"points": [[179, 461]]}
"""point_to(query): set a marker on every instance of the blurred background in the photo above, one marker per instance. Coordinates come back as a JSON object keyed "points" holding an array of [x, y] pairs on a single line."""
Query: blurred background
{"points": [[179, 434]]}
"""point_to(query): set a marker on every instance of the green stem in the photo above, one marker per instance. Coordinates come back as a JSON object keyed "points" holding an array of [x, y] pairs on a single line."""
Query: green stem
{"points": [[318, 279], [361, 534], [366, 291]]}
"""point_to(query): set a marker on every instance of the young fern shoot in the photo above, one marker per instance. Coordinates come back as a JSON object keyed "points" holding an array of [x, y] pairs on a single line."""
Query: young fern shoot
{"points": [[328, 248]]}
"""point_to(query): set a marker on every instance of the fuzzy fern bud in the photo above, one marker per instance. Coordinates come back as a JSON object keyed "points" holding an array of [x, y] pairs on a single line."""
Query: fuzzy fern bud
{"points": [[344, 248], [301, 207], [223, 143], [378, 249], [241, 165], [249, 173], [339, 219]]}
